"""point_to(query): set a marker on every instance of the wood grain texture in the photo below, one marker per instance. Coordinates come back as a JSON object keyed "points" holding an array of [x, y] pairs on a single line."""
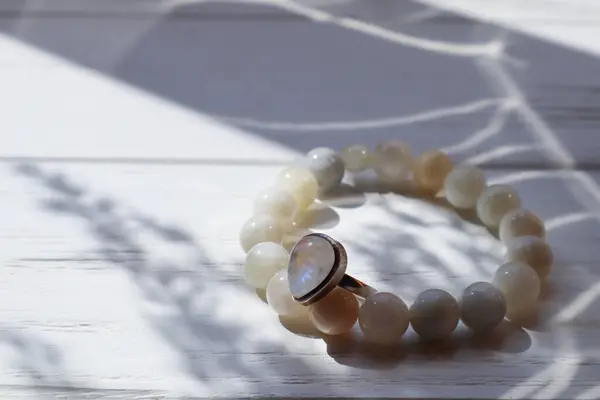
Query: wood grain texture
{"points": [[134, 144]]}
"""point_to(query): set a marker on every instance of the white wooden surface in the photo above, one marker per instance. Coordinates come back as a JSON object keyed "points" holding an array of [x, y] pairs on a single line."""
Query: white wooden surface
{"points": [[135, 135]]}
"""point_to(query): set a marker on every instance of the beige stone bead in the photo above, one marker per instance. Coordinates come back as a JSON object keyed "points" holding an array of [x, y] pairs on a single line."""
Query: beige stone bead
{"points": [[533, 251], [336, 313], [520, 222], [300, 183], [356, 157], [463, 185], [482, 307], [495, 202], [260, 228], [262, 262], [521, 287], [383, 318], [280, 298], [434, 314], [393, 160], [276, 202], [430, 170]]}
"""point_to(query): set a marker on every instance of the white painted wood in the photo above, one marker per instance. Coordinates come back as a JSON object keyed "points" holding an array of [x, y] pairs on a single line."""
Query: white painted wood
{"points": [[447, 102], [575, 24], [120, 271], [135, 125], [128, 277]]}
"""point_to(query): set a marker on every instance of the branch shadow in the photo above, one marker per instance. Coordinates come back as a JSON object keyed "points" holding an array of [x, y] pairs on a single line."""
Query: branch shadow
{"points": [[192, 324], [35, 360], [116, 230]]}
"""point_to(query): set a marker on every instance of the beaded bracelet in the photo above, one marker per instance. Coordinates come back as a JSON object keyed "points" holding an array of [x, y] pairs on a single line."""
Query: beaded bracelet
{"points": [[311, 278]]}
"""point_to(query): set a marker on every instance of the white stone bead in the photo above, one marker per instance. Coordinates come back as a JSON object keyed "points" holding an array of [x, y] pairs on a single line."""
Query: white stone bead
{"points": [[356, 158], [521, 287], [463, 185], [482, 307], [276, 202], [520, 222], [383, 318], [533, 251], [327, 167], [336, 313], [495, 202], [262, 262], [434, 314], [393, 160], [430, 170], [301, 184], [260, 228], [280, 298], [311, 261]]}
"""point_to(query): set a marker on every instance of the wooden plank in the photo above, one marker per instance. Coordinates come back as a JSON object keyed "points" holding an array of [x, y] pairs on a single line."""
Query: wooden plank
{"points": [[87, 116], [128, 277], [135, 141], [567, 23], [328, 93]]}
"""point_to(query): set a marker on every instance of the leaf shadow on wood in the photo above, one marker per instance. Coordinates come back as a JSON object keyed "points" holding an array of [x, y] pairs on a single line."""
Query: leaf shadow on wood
{"points": [[34, 359], [115, 229], [192, 323]]}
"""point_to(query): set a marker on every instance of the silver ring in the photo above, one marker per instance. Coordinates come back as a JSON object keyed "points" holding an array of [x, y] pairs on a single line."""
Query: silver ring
{"points": [[329, 276]]}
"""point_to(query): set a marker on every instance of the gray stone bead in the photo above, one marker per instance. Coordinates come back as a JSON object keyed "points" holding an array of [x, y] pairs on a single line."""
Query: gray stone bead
{"points": [[482, 307], [383, 318], [434, 314], [327, 166], [393, 161]]}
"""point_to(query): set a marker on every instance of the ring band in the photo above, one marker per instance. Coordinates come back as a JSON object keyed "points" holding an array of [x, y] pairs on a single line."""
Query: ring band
{"points": [[336, 274], [356, 287]]}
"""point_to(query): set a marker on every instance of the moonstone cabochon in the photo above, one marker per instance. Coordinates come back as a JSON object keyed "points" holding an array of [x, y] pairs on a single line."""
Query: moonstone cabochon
{"points": [[312, 260]]}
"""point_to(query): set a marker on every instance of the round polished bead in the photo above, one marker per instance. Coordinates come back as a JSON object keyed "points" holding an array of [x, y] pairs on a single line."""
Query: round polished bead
{"points": [[356, 158], [482, 307], [383, 318], [262, 262], [521, 287], [327, 167], [393, 160], [520, 222], [311, 261], [532, 251], [336, 313], [260, 228], [463, 185], [434, 314], [430, 170], [280, 298], [495, 202], [276, 202], [301, 184]]}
